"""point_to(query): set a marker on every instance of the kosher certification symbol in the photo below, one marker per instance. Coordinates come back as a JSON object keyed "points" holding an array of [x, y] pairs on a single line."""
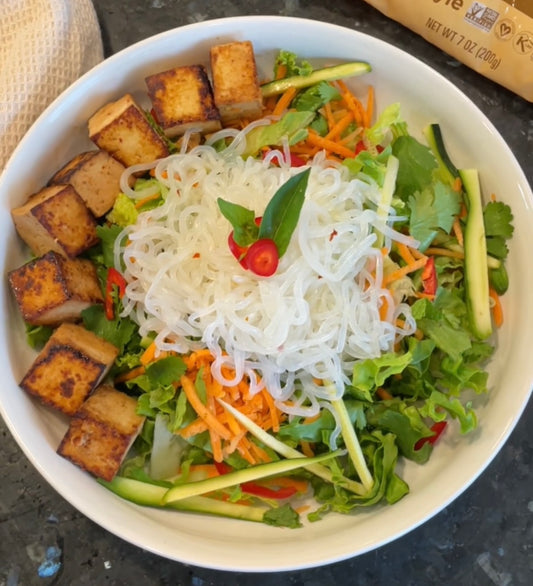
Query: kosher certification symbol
{"points": [[523, 42], [481, 16]]}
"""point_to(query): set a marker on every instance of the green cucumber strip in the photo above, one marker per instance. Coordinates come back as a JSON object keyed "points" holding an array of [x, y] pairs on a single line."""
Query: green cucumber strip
{"points": [[151, 495], [476, 270], [387, 191], [352, 444], [288, 452], [433, 135], [278, 86], [191, 489]]}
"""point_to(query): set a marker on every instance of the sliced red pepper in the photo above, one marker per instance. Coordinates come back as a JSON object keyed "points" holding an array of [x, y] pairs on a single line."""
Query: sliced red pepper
{"points": [[294, 160], [361, 146], [114, 279], [239, 252], [262, 257], [429, 277], [256, 489], [437, 429]]}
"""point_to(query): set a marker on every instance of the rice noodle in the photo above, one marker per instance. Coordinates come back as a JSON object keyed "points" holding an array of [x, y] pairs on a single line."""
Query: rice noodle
{"points": [[313, 319]]}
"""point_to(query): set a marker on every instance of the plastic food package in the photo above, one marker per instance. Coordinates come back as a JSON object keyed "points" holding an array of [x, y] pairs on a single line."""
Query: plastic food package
{"points": [[493, 37]]}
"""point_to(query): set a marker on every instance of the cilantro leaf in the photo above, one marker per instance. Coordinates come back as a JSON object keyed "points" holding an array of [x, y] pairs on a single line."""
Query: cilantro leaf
{"points": [[284, 516], [315, 97], [117, 331], [166, 370], [416, 165], [431, 210], [498, 217]]}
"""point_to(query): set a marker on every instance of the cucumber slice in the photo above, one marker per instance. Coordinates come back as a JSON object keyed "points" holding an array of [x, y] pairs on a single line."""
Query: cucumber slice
{"points": [[278, 86], [151, 495], [476, 270], [191, 489], [433, 135]]}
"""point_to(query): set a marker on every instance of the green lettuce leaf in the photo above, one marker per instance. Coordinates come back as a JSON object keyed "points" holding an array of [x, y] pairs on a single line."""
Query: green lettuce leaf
{"points": [[292, 125]]}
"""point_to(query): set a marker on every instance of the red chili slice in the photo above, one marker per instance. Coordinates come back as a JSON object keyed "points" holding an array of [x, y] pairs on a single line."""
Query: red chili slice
{"points": [[294, 160], [239, 252], [429, 277], [114, 279], [437, 429], [256, 489], [262, 257]]}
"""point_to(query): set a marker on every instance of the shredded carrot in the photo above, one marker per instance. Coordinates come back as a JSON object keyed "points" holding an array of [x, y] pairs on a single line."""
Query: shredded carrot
{"points": [[383, 309], [259, 453], [416, 253], [225, 432], [496, 306], [273, 410], [458, 231], [329, 146], [437, 251], [194, 428], [149, 354], [337, 129], [329, 116], [135, 372], [140, 203], [311, 418], [306, 449], [299, 484], [214, 436], [405, 253], [284, 101], [370, 106], [352, 103], [403, 271], [383, 394], [457, 185], [213, 423]]}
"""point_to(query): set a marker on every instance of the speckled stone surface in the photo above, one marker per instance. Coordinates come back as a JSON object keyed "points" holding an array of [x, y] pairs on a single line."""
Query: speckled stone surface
{"points": [[485, 537]]}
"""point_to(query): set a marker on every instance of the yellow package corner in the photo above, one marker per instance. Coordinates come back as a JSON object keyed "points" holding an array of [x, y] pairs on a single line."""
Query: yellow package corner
{"points": [[493, 37]]}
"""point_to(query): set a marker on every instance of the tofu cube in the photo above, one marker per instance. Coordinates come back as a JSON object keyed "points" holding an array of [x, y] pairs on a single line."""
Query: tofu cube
{"points": [[182, 98], [95, 175], [101, 432], [52, 288], [122, 129], [56, 218], [71, 365], [235, 81]]}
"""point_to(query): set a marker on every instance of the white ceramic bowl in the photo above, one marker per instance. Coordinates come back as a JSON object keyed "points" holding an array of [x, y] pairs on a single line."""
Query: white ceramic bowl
{"points": [[425, 97]]}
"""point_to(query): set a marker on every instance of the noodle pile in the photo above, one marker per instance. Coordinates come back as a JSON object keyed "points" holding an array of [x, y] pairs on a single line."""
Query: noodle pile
{"points": [[311, 320]]}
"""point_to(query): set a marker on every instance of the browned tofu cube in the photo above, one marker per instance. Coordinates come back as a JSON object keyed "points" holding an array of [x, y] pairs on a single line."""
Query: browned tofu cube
{"points": [[56, 218], [101, 432], [52, 288], [235, 82], [122, 129], [70, 366], [95, 175], [182, 98]]}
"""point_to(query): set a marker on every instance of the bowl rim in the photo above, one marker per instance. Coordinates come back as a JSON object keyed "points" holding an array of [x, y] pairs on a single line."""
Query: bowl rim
{"points": [[25, 440]]}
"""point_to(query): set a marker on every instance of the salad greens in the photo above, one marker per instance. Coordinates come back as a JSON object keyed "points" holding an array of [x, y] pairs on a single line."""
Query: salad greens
{"points": [[395, 405]]}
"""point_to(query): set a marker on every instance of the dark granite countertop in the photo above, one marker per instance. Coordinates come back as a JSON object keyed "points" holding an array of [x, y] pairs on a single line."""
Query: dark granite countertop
{"points": [[485, 537]]}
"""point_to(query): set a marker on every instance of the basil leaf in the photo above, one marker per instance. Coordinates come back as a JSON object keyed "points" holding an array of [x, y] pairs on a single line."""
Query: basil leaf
{"points": [[283, 210], [242, 219]]}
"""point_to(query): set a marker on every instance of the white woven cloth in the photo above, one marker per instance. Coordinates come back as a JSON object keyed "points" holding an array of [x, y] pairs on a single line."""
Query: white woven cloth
{"points": [[45, 45]]}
